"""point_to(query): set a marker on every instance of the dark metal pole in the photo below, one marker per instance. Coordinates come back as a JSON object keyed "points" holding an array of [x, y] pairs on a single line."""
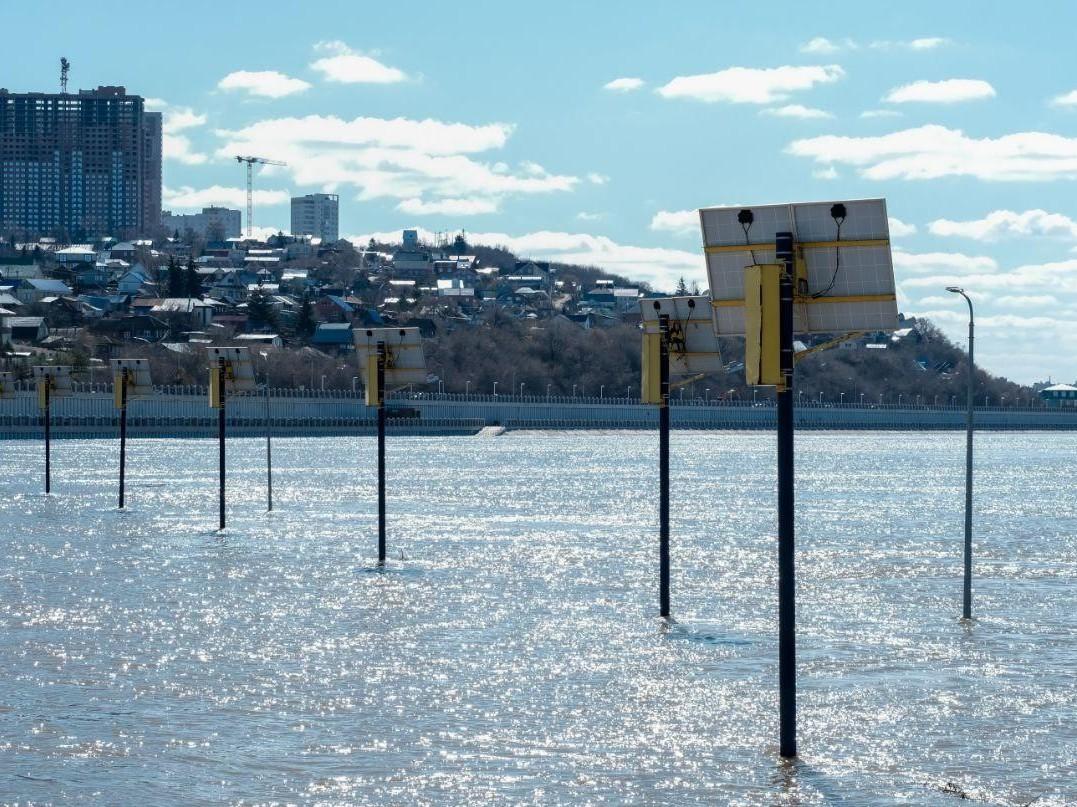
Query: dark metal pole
{"points": [[787, 674], [966, 611], [48, 435], [269, 449], [663, 467], [381, 453], [223, 392], [123, 432]]}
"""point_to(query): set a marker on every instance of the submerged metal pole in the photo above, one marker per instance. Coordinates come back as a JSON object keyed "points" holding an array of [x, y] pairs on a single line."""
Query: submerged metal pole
{"points": [[48, 436], [123, 432], [787, 674], [269, 450], [381, 452], [221, 381], [663, 467]]}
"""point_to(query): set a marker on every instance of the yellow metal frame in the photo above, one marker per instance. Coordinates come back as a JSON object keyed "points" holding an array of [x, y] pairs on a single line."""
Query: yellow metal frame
{"points": [[371, 372], [864, 242], [761, 325], [801, 300], [650, 377]]}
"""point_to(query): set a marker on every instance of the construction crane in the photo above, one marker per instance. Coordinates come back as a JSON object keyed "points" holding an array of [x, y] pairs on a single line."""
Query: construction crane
{"points": [[65, 65], [251, 161]]}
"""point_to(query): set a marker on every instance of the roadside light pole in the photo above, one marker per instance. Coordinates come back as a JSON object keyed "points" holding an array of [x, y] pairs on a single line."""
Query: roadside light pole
{"points": [[966, 607]]}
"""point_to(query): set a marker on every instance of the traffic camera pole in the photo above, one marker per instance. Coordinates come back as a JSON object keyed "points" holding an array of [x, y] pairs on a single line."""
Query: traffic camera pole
{"points": [[663, 466], [381, 452], [787, 676], [123, 432]]}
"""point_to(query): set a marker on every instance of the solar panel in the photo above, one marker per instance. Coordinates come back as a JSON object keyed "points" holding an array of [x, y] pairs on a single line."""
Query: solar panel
{"points": [[241, 370], [58, 379], [693, 347], [849, 272], [138, 376], [405, 363]]}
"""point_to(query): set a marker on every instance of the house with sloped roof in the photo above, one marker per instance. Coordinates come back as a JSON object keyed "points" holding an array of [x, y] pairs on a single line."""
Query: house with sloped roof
{"points": [[32, 290]]}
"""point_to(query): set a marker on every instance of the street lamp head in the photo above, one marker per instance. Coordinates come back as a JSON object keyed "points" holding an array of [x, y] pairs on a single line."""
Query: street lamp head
{"points": [[955, 289]]}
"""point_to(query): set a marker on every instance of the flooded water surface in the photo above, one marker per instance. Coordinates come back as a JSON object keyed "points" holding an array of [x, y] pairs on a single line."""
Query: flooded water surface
{"points": [[510, 652]]}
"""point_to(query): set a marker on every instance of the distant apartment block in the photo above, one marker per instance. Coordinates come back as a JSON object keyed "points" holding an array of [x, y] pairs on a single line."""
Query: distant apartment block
{"points": [[317, 214], [213, 223], [79, 166]]}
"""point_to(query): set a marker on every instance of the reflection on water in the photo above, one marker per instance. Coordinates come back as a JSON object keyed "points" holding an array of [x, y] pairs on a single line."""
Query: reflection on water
{"points": [[510, 651]]}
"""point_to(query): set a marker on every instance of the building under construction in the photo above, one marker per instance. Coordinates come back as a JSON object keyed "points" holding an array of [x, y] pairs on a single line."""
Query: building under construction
{"points": [[79, 166]]}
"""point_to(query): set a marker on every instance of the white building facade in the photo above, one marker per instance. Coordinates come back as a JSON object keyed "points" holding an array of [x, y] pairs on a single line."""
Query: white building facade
{"points": [[317, 214]]}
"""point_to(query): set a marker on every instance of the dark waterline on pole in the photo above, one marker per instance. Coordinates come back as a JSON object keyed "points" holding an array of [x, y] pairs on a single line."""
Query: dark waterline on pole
{"points": [[381, 453], [663, 467], [787, 675], [123, 432]]}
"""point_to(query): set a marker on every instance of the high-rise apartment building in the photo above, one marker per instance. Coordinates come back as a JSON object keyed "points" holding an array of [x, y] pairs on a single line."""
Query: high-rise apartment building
{"points": [[78, 166], [213, 223], [317, 214]]}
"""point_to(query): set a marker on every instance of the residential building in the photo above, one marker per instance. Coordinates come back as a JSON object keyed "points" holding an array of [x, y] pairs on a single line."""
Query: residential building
{"points": [[32, 290], [1059, 395], [78, 165], [317, 214], [212, 224]]}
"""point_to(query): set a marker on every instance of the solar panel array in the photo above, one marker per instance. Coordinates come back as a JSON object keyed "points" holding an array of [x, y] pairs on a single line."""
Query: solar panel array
{"points": [[242, 370], [693, 344], [863, 271], [407, 365], [138, 376]]}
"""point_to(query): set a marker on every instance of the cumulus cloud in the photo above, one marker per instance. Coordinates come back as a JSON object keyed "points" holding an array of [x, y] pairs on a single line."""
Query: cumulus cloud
{"points": [[797, 111], [174, 144], [583, 215], [822, 45], [932, 151], [750, 85], [1066, 99], [344, 65], [448, 207], [830, 172], [418, 161], [658, 266], [949, 91], [678, 222], [625, 84], [176, 119], [945, 261], [880, 113], [263, 83], [922, 43], [186, 197], [178, 148], [1000, 223], [597, 179], [899, 229]]}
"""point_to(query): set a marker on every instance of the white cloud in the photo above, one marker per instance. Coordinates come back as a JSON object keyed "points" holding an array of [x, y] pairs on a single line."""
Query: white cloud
{"points": [[351, 67], [448, 207], [154, 104], [820, 44], [678, 222], [830, 172], [932, 151], [263, 83], [797, 111], [660, 267], [749, 85], [880, 113], [922, 43], [928, 43], [625, 84], [899, 229], [1027, 300], [1066, 99], [176, 119], [949, 91], [1000, 223], [187, 197], [583, 215], [403, 159], [178, 148], [943, 261], [597, 179]]}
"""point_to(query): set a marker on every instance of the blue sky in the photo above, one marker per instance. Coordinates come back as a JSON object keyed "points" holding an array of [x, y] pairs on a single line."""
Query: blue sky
{"points": [[496, 118]]}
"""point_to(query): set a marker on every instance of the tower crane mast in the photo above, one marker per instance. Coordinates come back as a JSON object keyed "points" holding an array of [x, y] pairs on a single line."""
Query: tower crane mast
{"points": [[251, 162]]}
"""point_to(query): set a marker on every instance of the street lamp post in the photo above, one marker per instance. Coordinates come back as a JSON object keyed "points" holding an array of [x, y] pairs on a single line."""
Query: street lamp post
{"points": [[573, 390], [467, 387], [601, 390], [521, 389], [548, 391], [966, 609], [495, 389]]}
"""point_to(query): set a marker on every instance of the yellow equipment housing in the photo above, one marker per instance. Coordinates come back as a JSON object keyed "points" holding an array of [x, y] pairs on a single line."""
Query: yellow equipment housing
{"points": [[372, 397], [650, 377], [762, 365], [215, 392]]}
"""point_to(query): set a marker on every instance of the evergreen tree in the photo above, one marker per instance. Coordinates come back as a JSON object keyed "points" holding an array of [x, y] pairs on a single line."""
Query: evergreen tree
{"points": [[459, 245], [305, 324], [682, 289], [177, 283], [192, 282], [260, 312]]}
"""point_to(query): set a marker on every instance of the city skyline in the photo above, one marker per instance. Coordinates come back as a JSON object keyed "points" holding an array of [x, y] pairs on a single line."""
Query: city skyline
{"points": [[599, 146]]}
